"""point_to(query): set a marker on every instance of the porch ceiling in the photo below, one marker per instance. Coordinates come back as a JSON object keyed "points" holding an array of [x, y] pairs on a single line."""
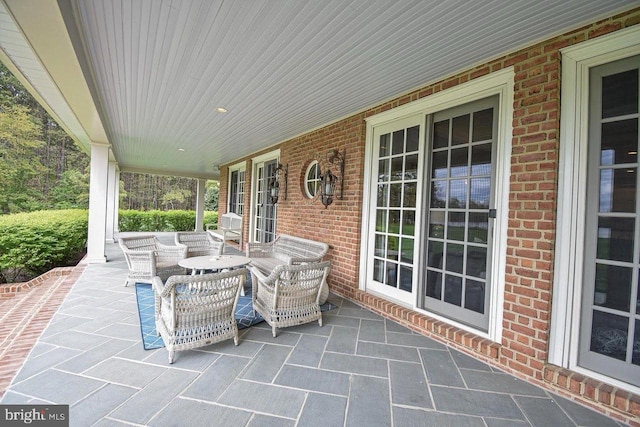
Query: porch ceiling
{"points": [[146, 76]]}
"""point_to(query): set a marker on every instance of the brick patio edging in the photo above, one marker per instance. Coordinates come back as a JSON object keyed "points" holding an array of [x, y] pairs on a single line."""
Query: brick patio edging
{"points": [[25, 310], [10, 290]]}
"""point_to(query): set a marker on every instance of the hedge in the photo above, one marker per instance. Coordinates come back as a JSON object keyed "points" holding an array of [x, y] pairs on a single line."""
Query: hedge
{"points": [[35, 242], [175, 220]]}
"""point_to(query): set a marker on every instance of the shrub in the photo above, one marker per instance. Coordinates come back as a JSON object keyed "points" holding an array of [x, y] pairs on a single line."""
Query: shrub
{"points": [[175, 220], [33, 243]]}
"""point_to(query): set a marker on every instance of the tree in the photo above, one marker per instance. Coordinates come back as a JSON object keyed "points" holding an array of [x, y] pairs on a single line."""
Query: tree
{"points": [[211, 196], [71, 191], [20, 162]]}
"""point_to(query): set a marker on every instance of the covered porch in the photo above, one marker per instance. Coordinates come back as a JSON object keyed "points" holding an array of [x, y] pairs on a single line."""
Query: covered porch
{"points": [[358, 369]]}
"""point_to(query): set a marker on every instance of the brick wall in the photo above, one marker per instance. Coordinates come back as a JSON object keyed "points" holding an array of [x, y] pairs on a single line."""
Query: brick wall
{"points": [[531, 227]]}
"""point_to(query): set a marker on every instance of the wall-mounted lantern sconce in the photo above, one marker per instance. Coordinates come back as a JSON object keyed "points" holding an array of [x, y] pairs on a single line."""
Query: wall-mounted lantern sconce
{"points": [[329, 181], [277, 182]]}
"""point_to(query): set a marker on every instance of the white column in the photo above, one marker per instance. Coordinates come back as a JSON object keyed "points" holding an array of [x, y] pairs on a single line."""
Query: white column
{"points": [[200, 204], [112, 203], [98, 179]]}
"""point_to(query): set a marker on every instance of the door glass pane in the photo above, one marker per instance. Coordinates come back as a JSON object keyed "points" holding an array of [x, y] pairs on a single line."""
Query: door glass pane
{"points": [[615, 238], [474, 295], [392, 248], [413, 135], [411, 167], [441, 134], [477, 261], [395, 196], [609, 335], [478, 227], [383, 170], [381, 244], [619, 142], [383, 195], [618, 190], [456, 226], [483, 125], [480, 193], [397, 146], [378, 270], [481, 160], [620, 94], [436, 250], [392, 274], [459, 162], [455, 254], [458, 194], [434, 284], [407, 251], [406, 280], [410, 195], [436, 224], [381, 220], [453, 289], [408, 222], [613, 287], [460, 131], [385, 145], [438, 194], [439, 164], [636, 344]]}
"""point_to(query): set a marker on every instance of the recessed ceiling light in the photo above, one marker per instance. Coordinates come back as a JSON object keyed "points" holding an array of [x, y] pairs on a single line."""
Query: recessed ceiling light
{"points": [[221, 110], [180, 149]]}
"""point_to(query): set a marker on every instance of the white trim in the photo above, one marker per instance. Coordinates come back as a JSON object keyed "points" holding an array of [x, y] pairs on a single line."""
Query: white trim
{"points": [[238, 166], [499, 83], [572, 169], [307, 180]]}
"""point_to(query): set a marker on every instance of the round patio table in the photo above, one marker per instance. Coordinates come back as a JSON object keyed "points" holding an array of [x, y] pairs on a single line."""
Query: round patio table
{"points": [[214, 263]]}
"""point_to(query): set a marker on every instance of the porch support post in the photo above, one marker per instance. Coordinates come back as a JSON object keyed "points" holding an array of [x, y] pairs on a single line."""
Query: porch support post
{"points": [[112, 202], [200, 204], [98, 180]]}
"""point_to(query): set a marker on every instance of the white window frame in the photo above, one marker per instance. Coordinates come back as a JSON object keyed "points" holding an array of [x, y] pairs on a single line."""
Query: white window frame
{"points": [[499, 83], [572, 179], [307, 180], [233, 168]]}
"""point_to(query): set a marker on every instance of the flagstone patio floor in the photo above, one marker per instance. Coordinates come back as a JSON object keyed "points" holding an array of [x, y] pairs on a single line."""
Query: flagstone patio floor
{"points": [[359, 369]]}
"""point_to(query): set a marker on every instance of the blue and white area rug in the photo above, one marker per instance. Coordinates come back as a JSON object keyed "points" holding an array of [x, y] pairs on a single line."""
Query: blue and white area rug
{"points": [[150, 339]]}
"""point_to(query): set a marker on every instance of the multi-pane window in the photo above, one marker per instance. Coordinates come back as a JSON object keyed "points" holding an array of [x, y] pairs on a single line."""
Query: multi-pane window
{"points": [[236, 192], [396, 208]]}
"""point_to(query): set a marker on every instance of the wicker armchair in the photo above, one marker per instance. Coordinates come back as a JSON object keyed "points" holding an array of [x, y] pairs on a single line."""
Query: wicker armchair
{"points": [[196, 311], [147, 257], [289, 295], [199, 243]]}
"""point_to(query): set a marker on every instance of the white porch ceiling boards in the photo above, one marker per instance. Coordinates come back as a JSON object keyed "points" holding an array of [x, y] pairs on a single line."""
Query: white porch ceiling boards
{"points": [[281, 67]]}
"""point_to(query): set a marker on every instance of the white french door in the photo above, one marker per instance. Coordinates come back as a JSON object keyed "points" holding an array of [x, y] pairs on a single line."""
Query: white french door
{"points": [[610, 318], [432, 207], [394, 250], [263, 211]]}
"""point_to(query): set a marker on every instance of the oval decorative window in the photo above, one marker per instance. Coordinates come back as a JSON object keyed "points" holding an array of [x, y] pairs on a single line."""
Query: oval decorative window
{"points": [[312, 179]]}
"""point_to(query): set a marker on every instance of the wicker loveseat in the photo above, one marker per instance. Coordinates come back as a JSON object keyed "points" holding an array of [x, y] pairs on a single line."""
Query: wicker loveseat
{"points": [[147, 257], [287, 250]]}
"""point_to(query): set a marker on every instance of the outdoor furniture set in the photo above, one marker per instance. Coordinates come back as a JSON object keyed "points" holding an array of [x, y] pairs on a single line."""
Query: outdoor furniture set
{"points": [[289, 282]]}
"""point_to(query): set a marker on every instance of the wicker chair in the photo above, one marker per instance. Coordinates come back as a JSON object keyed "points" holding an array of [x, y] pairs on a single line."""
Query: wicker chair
{"points": [[196, 311], [147, 257], [289, 295], [199, 243]]}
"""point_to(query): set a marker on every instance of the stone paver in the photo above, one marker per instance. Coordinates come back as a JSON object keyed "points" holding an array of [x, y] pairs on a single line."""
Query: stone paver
{"points": [[358, 369]]}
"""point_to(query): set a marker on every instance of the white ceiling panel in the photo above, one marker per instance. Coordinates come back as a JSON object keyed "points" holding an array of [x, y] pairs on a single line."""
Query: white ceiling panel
{"points": [[280, 67]]}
